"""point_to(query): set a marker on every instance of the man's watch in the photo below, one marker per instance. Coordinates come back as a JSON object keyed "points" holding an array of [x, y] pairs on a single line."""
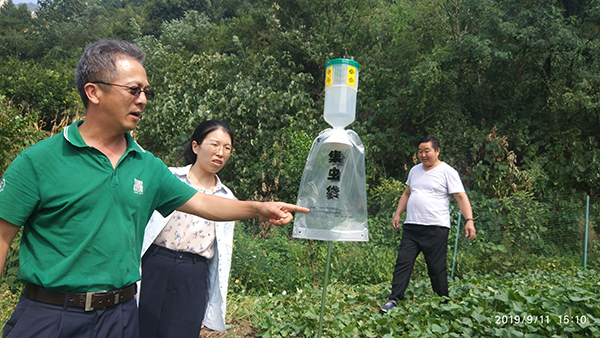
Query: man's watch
{"points": [[469, 219]]}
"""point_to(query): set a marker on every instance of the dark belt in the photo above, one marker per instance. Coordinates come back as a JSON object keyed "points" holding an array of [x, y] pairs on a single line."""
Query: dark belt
{"points": [[88, 300]]}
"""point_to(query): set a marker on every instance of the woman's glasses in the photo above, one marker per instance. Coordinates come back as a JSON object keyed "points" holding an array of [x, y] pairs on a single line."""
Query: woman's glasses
{"points": [[216, 147]]}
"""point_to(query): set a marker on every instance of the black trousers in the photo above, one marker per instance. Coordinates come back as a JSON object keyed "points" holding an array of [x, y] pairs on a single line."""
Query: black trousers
{"points": [[173, 293], [36, 319], [433, 242]]}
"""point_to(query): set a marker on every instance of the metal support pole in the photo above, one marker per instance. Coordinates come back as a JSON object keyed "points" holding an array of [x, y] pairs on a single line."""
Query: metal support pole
{"points": [[324, 298], [587, 221], [455, 245]]}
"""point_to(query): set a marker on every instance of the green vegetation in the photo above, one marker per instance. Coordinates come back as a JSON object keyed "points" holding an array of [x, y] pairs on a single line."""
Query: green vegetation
{"points": [[533, 305], [511, 88]]}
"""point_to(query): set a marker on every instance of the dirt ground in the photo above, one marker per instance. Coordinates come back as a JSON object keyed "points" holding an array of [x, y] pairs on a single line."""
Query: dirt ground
{"points": [[237, 329]]}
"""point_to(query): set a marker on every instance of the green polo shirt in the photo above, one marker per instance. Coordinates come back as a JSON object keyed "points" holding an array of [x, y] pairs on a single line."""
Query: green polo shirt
{"points": [[83, 220]]}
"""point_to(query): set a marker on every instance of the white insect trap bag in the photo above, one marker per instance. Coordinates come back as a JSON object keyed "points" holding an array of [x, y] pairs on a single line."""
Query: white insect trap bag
{"points": [[333, 187]]}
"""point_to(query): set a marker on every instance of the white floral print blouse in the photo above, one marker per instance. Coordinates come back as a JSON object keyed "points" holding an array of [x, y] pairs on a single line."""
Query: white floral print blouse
{"points": [[188, 233]]}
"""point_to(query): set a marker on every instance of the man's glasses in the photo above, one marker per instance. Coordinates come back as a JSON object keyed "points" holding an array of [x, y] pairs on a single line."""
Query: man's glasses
{"points": [[135, 91]]}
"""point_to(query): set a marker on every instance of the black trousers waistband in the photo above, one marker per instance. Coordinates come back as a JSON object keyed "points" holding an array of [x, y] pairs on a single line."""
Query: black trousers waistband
{"points": [[188, 256]]}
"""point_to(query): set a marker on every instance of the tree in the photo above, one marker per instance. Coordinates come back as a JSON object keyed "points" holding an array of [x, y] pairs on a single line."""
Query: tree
{"points": [[15, 26]]}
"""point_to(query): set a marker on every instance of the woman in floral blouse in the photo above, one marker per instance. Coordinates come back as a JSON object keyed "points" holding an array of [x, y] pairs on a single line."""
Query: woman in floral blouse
{"points": [[186, 259]]}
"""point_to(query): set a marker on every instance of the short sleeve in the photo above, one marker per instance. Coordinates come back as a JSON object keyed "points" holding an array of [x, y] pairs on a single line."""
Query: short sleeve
{"points": [[408, 180], [173, 193], [455, 185], [19, 191]]}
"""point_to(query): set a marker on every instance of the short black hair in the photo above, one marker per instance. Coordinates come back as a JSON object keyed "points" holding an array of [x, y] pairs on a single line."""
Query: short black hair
{"points": [[434, 141]]}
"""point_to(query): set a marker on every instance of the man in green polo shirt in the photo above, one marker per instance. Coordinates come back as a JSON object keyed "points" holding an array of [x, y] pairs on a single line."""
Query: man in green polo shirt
{"points": [[83, 198]]}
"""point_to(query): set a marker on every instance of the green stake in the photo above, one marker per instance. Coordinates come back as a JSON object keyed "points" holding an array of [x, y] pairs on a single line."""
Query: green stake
{"points": [[455, 245], [587, 220], [325, 289]]}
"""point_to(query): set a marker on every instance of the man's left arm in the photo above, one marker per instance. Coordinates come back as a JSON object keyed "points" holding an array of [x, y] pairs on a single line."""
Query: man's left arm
{"points": [[465, 207]]}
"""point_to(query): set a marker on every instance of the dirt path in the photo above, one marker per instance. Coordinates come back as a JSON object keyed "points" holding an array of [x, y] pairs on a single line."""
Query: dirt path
{"points": [[238, 329]]}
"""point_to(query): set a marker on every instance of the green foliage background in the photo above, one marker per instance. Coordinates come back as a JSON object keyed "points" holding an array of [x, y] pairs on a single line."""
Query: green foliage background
{"points": [[510, 87]]}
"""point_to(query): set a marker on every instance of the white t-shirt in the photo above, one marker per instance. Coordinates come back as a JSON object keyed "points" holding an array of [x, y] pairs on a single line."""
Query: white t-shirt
{"points": [[429, 200]]}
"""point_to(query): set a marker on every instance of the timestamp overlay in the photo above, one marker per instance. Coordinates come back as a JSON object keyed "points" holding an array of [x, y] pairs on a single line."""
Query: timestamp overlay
{"points": [[527, 319]]}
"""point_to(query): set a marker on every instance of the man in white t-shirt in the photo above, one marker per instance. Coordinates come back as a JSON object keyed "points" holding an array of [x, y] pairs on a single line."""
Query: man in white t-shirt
{"points": [[426, 200]]}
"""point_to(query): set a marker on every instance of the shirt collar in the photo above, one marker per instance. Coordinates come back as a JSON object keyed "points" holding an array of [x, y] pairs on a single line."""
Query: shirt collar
{"points": [[72, 135], [184, 174]]}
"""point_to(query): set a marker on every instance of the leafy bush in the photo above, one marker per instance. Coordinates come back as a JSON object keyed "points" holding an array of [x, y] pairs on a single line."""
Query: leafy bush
{"points": [[45, 92], [382, 201], [521, 232], [257, 264], [514, 234], [18, 131], [254, 94]]}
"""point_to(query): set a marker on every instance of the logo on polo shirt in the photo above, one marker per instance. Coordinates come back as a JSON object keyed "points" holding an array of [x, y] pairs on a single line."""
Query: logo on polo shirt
{"points": [[138, 186], [2, 184]]}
